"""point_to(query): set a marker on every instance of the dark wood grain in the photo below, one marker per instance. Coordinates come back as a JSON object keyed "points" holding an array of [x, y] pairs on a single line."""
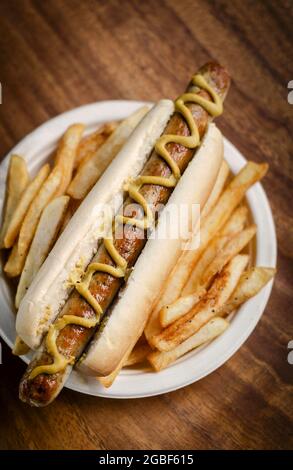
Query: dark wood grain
{"points": [[56, 55]]}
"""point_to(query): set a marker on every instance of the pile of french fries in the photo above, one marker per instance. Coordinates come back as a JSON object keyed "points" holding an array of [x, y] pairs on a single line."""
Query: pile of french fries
{"points": [[37, 209], [208, 283]]}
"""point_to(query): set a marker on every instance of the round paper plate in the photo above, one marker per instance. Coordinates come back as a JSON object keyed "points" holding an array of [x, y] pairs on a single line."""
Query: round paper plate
{"points": [[135, 383]]}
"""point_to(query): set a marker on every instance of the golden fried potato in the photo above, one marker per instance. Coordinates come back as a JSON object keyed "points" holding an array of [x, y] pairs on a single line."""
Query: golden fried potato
{"points": [[215, 327], [250, 283], [89, 145], [66, 155], [32, 217], [234, 225], [44, 238], [222, 288], [26, 199], [16, 182]]}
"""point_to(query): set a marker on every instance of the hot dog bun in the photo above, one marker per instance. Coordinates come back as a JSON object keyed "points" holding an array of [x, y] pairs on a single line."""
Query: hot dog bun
{"points": [[132, 307], [78, 243]]}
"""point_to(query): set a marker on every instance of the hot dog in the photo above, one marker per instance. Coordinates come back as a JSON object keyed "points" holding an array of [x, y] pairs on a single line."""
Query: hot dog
{"points": [[81, 315]]}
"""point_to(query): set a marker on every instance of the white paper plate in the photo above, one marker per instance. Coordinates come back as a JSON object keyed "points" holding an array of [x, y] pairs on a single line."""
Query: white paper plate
{"points": [[135, 383]]}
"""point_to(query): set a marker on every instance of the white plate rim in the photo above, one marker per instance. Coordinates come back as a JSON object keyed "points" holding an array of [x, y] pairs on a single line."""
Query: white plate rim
{"points": [[133, 383]]}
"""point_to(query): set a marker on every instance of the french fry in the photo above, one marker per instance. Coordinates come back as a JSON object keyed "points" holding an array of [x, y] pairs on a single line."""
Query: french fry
{"points": [[160, 360], [92, 142], [236, 222], [44, 238], [16, 182], [32, 217], [231, 249], [214, 221], [229, 200], [138, 354], [180, 307], [250, 283], [20, 348], [15, 262], [26, 199], [234, 225], [170, 293], [217, 189], [91, 171], [66, 155], [109, 379], [222, 288], [217, 254]]}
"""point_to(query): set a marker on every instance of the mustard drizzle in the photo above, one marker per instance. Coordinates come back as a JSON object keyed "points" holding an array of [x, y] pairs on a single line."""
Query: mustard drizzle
{"points": [[214, 108]]}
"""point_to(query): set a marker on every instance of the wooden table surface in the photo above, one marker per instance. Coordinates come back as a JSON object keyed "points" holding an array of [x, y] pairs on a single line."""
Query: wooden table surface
{"points": [[56, 55]]}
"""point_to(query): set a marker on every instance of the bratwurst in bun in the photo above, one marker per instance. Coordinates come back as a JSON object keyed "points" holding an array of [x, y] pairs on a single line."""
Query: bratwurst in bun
{"points": [[172, 157]]}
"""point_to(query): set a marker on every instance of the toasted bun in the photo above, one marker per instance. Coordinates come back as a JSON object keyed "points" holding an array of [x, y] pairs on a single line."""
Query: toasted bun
{"points": [[79, 241], [130, 312]]}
